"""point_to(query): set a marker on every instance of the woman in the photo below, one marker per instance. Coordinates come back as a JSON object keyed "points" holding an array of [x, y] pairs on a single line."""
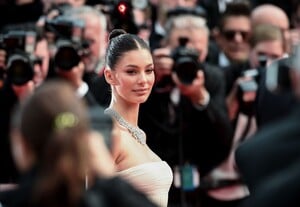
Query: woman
{"points": [[129, 70], [57, 153]]}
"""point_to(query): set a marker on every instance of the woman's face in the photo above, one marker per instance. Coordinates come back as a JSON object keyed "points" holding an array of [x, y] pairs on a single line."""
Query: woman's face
{"points": [[134, 76]]}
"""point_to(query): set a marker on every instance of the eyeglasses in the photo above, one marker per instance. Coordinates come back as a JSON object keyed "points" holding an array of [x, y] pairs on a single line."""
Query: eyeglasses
{"points": [[230, 34]]}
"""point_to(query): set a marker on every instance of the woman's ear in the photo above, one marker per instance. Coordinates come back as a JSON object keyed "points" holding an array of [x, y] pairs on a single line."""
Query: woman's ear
{"points": [[109, 76]]}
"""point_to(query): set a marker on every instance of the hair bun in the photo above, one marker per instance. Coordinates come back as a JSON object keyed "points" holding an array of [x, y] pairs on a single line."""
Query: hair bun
{"points": [[116, 32]]}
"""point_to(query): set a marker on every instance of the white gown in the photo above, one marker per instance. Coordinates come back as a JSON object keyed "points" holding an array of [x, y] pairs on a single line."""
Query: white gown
{"points": [[152, 178]]}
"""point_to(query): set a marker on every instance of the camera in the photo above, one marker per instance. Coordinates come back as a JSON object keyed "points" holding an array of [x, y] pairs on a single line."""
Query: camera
{"points": [[20, 69], [186, 62], [254, 74], [278, 78], [247, 106], [19, 46], [18, 40], [248, 85], [68, 41]]}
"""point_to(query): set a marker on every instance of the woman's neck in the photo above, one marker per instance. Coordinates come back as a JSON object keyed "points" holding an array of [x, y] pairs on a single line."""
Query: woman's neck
{"points": [[128, 111]]}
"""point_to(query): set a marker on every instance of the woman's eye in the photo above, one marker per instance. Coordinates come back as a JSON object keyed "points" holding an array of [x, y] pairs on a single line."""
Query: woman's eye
{"points": [[150, 70], [131, 72]]}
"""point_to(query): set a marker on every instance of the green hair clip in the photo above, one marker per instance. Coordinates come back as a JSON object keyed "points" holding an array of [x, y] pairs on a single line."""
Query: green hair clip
{"points": [[65, 120]]}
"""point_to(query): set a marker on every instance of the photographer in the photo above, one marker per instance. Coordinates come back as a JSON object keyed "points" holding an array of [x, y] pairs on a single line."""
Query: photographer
{"points": [[178, 115], [71, 51], [244, 84], [25, 60], [95, 34], [266, 46], [275, 183]]}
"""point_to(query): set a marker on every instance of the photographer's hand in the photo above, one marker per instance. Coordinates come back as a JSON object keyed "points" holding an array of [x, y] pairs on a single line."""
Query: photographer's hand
{"points": [[74, 75], [2, 58], [232, 99], [23, 2], [2, 67], [22, 91], [232, 102], [163, 63], [196, 91]]}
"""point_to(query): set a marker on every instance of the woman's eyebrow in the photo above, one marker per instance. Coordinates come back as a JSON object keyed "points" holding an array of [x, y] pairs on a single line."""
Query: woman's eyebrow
{"points": [[135, 66]]}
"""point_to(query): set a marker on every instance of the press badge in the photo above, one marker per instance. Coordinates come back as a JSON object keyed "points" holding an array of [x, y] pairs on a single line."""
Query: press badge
{"points": [[186, 177]]}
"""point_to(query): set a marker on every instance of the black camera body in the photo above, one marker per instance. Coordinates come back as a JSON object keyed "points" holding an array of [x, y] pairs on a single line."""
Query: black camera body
{"points": [[68, 41], [186, 64], [19, 46], [18, 39]]}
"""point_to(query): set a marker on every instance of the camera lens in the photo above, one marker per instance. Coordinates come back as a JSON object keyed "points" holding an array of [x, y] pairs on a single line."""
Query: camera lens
{"points": [[186, 69], [66, 58], [20, 70], [186, 62]]}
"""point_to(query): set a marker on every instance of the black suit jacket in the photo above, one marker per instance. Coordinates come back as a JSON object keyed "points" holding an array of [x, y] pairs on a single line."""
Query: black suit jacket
{"points": [[270, 106], [174, 132], [98, 87], [269, 164]]}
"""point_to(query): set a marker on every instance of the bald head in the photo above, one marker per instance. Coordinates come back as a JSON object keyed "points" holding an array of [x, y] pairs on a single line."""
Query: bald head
{"points": [[273, 15], [270, 14]]}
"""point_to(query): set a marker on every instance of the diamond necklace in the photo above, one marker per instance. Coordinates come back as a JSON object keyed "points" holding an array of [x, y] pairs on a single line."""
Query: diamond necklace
{"points": [[136, 132]]}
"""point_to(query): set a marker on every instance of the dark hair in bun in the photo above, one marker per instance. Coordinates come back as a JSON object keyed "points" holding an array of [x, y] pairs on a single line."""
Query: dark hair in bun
{"points": [[121, 42], [115, 33]]}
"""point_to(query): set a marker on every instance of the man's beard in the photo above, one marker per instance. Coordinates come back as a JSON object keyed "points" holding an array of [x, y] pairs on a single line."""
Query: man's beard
{"points": [[91, 64]]}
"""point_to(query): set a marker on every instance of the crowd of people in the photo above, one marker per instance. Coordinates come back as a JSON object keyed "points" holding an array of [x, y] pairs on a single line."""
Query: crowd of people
{"points": [[149, 103]]}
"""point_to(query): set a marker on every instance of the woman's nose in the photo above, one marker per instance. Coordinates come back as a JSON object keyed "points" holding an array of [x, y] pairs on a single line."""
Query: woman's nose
{"points": [[142, 77]]}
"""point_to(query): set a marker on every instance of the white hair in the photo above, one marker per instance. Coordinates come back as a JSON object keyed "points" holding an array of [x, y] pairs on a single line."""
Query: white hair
{"points": [[186, 21], [88, 11]]}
